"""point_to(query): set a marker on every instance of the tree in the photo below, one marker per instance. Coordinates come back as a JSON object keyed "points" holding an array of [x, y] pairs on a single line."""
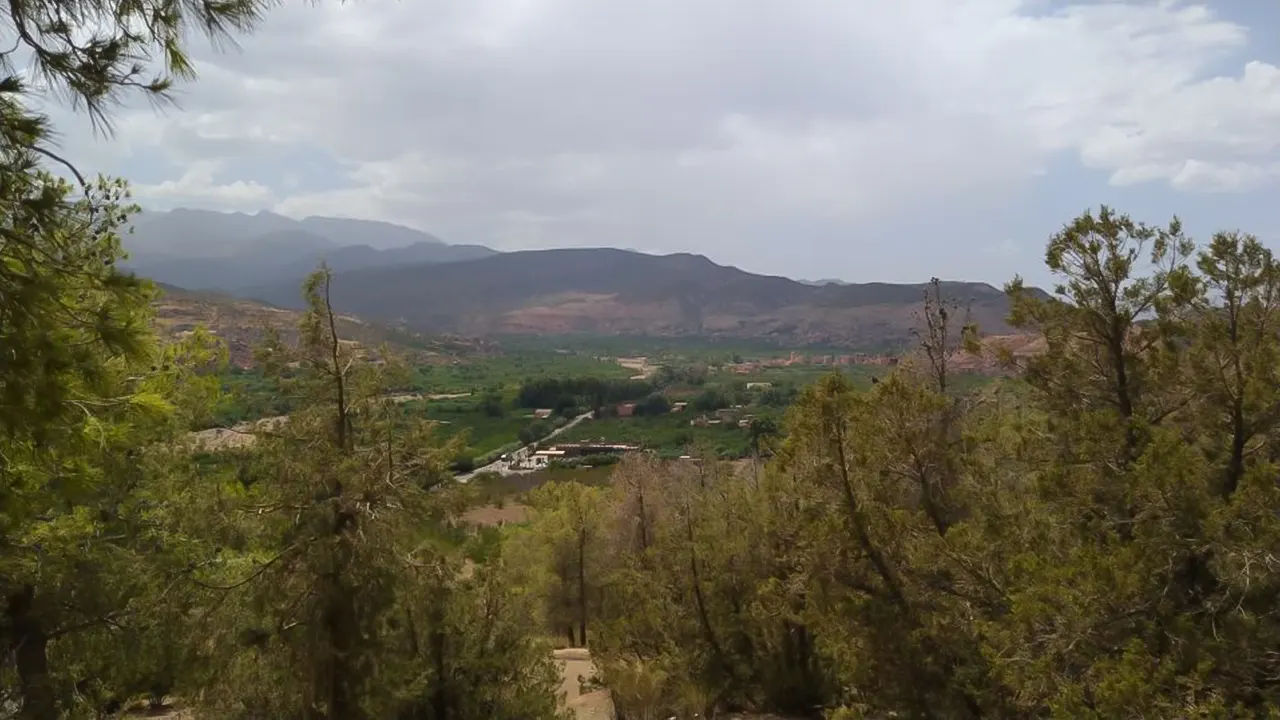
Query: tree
{"points": [[491, 404], [85, 388], [101, 553], [97, 53], [1109, 329], [709, 400], [566, 522], [759, 432], [73, 330], [338, 495], [1235, 366], [653, 404], [534, 431]]}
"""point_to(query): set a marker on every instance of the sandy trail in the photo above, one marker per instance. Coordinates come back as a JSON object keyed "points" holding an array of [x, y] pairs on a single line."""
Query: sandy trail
{"points": [[638, 365], [575, 665]]}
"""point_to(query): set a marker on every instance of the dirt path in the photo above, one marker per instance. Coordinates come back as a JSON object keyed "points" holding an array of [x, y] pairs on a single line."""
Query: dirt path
{"points": [[638, 365], [575, 665]]}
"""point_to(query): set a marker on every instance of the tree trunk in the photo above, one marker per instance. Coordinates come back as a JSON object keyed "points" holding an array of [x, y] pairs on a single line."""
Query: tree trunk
{"points": [[1124, 392], [1235, 467], [340, 622], [439, 698], [30, 643], [644, 518], [858, 523], [700, 602], [582, 587], [341, 628], [342, 420]]}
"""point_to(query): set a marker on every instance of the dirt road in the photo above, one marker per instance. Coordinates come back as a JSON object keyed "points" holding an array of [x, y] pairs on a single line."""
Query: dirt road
{"points": [[638, 365], [575, 666]]}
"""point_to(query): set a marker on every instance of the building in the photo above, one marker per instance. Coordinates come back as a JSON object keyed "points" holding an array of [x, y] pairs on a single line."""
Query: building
{"points": [[679, 406], [759, 385], [728, 414], [542, 413], [584, 449], [626, 409], [541, 458]]}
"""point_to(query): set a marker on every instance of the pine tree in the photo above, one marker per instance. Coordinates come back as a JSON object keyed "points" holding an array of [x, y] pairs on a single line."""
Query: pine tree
{"points": [[84, 390], [76, 358]]}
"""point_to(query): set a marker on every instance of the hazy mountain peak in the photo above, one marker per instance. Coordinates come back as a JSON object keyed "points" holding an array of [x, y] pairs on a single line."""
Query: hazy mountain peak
{"points": [[208, 249], [374, 233]]}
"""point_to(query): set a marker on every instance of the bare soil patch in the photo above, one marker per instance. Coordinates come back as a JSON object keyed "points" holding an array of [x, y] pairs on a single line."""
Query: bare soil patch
{"points": [[575, 666], [492, 515], [638, 365]]}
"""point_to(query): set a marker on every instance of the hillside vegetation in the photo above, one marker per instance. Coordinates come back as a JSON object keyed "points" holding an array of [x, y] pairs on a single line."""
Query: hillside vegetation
{"points": [[1096, 537], [1089, 539], [1094, 540]]}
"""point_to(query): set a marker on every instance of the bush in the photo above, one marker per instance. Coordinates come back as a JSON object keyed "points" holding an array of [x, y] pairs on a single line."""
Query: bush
{"points": [[600, 460], [710, 401], [492, 406], [534, 432], [654, 404]]}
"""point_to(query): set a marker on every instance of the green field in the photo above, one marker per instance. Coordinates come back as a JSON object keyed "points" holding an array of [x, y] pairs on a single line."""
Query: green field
{"points": [[488, 409], [670, 435]]}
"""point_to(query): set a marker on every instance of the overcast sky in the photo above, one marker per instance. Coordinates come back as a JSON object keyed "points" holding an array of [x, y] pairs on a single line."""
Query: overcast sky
{"points": [[813, 138]]}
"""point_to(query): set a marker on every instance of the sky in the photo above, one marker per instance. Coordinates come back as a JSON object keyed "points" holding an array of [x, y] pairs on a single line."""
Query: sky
{"points": [[849, 139]]}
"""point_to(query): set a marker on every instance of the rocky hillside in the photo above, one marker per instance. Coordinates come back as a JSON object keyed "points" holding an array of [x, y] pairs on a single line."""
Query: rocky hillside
{"points": [[241, 324]]}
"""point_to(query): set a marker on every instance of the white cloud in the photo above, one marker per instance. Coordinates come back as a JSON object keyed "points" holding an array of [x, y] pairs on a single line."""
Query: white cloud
{"points": [[714, 126], [198, 185]]}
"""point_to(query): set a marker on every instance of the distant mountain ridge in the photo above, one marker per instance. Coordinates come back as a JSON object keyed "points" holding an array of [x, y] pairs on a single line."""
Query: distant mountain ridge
{"points": [[208, 250], [413, 280], [618, 292]]}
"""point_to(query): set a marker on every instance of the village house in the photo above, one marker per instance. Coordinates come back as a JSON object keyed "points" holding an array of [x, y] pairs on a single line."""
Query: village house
{"points": [[584, 449], [542, 457], [626, 409], [542, 413], [728, 414]]}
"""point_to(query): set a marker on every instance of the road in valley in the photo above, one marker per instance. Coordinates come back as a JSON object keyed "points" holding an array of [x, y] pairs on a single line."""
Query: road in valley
{"points": [[505, 467]]}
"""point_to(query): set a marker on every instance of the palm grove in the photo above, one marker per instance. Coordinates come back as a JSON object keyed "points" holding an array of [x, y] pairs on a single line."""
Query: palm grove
{"points": [[1096, 538]]}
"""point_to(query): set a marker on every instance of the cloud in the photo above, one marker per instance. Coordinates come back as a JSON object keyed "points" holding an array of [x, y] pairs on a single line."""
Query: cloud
{"points": [[198, 185], [751, 130]]}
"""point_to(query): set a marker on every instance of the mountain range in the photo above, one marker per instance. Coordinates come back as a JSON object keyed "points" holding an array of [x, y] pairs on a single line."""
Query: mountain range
{"points": [[415, 281], [207, 250]]}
